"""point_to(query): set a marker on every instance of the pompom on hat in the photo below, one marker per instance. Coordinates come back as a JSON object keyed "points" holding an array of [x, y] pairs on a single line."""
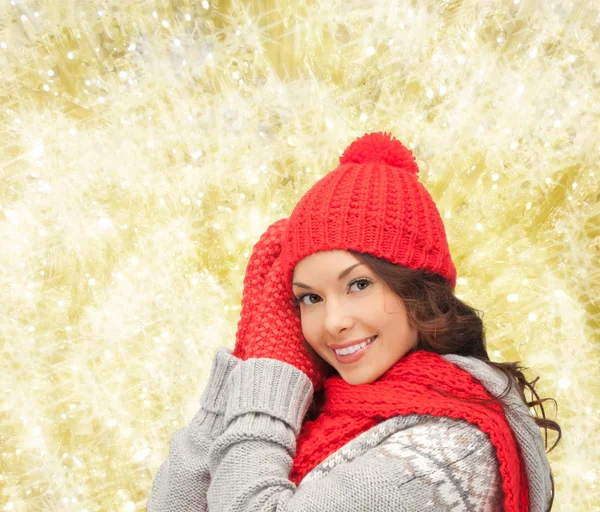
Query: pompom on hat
{"points": [[371, 203]]}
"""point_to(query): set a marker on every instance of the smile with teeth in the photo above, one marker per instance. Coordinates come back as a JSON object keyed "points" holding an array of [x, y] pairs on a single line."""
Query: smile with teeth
{"points": [[354, 348]]}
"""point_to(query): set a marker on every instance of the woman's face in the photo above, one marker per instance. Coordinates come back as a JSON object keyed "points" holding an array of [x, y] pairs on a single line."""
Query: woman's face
{"points": [[356, 306]]}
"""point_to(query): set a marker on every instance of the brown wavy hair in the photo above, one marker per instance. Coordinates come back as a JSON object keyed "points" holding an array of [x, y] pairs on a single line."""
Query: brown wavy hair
{"points": [[446, 325]]}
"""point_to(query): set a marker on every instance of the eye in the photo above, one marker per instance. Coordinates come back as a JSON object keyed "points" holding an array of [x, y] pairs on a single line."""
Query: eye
{"points": [[300, 299], [361, 281]]}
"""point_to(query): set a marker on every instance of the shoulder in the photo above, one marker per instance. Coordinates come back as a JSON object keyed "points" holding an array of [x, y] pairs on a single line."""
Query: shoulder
{"points": [[451, 462], [455, 437], [451, 448], [493, 379]]}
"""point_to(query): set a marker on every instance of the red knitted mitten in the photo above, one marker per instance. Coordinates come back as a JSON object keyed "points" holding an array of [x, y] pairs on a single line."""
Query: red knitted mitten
{"points": [[270, 324], [276, 332], [264, 253]]}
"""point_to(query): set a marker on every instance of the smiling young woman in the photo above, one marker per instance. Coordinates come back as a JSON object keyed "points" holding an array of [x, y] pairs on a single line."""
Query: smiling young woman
{"points": [[442, 322], [349, 306], [359, 381]]}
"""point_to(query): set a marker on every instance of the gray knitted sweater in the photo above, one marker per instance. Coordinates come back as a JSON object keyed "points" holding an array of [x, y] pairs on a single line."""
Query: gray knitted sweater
{"points": [[237, 452]]}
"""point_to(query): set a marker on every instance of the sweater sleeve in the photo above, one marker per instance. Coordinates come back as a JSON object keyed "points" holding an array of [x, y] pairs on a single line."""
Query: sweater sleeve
{"points": [[183, 479], [250, 461]]}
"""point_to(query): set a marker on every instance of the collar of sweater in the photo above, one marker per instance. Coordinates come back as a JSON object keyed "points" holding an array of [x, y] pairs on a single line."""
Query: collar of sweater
{"points": [[419, 383]]}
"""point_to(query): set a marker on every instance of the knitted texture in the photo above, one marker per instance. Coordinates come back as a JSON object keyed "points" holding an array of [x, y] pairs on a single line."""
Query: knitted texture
{"points": [[183, 479], [371, 203], [270, 325], [453, 457], [408, 388], [239, 456], [264, 253]]}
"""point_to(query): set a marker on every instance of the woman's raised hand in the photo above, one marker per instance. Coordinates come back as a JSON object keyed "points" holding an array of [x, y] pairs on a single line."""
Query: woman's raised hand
{"points": [[270, 324]]}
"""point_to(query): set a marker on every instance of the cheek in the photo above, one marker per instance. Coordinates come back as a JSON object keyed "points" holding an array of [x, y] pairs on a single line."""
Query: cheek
{"points": [[392, 304], [310, 331], [305, 328]]}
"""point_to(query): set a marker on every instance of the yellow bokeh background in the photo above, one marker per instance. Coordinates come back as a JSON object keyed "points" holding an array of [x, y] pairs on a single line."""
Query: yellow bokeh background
{"points": [[145, 146]]}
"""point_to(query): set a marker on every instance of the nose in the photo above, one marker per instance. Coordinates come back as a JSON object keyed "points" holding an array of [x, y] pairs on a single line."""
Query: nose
{"points": [[337, 318]]}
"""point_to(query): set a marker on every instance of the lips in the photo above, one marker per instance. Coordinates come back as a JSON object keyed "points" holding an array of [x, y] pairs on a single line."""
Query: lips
{"points": [[335, 346], [355, 356]]}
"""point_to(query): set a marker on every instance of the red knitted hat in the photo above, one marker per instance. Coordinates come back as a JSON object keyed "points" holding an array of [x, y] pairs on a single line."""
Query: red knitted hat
{"points": [[371, 203]]}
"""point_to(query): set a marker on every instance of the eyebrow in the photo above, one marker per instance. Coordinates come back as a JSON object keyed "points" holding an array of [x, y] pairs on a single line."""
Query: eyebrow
{"points": [[343, 274]]}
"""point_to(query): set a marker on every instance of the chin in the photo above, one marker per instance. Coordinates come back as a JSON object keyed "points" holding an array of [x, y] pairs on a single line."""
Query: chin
{"points": [[357, 379]]}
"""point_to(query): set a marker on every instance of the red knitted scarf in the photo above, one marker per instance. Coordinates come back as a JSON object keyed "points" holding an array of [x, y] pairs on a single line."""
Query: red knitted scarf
{"points": [[408, 388]]}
